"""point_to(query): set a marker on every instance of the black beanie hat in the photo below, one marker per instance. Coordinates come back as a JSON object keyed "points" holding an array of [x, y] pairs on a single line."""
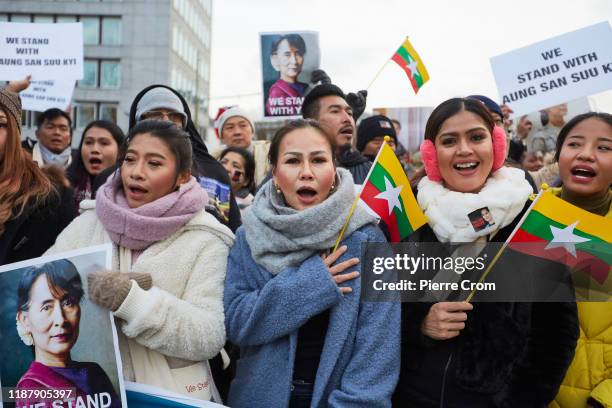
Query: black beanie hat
{"points": [[372, 127], [320, 91]]}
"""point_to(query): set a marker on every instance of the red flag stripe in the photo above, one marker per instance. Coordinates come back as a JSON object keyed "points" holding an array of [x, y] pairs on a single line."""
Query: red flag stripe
{"points": [[381, 208], [532, 245], [402, 63]]}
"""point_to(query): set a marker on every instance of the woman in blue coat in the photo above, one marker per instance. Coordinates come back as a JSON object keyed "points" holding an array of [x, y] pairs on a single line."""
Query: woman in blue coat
{"points": [[306, 337]]}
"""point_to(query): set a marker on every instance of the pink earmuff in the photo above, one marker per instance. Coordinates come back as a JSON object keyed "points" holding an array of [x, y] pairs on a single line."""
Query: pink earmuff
{"points": [[499, 147], [430, 158]]}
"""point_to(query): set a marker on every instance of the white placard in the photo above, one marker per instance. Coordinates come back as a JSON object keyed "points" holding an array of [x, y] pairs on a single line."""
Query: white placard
{"points": [[43, 95], [45, 51], [557, 70]]}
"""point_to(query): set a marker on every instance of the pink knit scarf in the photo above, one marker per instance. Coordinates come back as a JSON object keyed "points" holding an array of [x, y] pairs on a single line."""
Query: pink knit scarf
{"points": [[137, 228]]}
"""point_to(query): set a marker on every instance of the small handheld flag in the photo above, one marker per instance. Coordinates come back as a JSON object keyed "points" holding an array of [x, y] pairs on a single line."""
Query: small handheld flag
{"points": [[387, 193], [408, 59]]}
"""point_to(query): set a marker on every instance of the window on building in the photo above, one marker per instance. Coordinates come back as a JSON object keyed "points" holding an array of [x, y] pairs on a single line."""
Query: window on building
{"points": [[3, 17], [66, 19], [43, 19], [90, 74], [21, 18], [110, 75], [111, 30], [108, 112], [91, 30], [85, 113]]}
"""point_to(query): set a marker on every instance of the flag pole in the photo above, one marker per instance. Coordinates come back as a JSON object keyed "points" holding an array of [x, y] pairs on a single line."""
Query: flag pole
{"points": [[352, 210], [377, 74], [501, 250]]}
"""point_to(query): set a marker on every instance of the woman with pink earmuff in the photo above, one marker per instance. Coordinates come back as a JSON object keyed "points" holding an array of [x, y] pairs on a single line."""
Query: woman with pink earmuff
{"points": [[457, 354]]}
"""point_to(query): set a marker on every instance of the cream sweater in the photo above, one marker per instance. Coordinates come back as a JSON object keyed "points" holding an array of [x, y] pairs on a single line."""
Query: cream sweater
{"points": [[181, 316]]}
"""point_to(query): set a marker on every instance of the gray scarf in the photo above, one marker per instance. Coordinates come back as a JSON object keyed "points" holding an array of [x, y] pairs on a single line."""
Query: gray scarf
{"points": [[281, 237]]}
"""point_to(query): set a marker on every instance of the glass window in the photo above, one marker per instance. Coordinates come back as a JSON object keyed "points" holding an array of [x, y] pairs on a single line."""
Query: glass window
{"points": [[108, 112], [66, 19], [86, 113], [91, 30], [43, 19], [21, 18], [90, 74], [111, 30], [110, 77], [3, 17]]}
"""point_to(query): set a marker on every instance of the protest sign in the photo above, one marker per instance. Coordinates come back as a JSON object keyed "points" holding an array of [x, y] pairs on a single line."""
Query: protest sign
{"points": [[557, 70], [43, 95], [45, 51], [287, 62], [58, 348]]}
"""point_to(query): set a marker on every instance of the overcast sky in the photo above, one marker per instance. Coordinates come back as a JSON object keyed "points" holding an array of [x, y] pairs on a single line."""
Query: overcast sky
{"points": [[455, 39]]}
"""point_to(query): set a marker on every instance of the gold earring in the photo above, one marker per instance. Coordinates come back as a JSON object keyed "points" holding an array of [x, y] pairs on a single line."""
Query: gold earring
{"points": [[278, 190]]}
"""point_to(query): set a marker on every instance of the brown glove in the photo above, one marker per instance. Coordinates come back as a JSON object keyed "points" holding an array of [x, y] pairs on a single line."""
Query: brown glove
{"points": [[109, 289]]}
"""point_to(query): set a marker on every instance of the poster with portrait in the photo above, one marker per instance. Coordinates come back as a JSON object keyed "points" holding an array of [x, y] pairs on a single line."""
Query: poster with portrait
{"points": [[287, 61], [59, 349]]}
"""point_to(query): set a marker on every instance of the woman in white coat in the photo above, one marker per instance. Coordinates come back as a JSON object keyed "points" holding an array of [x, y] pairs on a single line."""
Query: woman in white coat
{"points": [[169, 262]]}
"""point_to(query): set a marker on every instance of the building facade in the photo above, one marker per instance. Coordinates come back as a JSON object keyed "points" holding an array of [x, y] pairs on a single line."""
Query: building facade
{"points": [[128, 45]]}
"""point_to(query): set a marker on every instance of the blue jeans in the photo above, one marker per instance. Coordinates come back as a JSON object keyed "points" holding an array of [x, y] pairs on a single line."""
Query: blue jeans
{"points": [[301, 394]]}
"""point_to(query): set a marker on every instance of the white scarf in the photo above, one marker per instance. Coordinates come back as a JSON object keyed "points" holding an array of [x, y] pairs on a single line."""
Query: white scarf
{"points": [[44, 156], [504, 194]]}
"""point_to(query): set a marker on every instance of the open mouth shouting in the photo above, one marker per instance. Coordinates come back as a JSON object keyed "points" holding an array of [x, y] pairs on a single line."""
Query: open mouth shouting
{"points": [[347, 133], [95, 163], [136, 192], [307, 195], [466, 168], [583, 174]]}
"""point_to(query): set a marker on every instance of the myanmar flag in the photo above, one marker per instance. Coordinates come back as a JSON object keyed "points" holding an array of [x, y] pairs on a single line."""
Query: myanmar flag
{"points": [[408, 59], [387, 193], [559, 231]]}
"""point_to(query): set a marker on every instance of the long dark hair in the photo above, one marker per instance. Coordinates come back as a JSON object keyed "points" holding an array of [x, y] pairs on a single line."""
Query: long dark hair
{"points": [[604, 117], [444, 111], [62, 276], [249, 165], [294, 40], [77, 173]]}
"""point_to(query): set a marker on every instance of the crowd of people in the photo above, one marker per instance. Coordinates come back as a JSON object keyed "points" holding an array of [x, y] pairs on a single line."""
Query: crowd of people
{"points": [[224, 266]]}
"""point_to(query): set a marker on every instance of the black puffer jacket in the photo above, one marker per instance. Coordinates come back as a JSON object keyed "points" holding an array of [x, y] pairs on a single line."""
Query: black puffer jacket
{"points": [[511, 355]]}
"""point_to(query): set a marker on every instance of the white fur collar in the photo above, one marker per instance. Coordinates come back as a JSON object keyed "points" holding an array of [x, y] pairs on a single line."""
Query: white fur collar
{"points": [[504, 193]]}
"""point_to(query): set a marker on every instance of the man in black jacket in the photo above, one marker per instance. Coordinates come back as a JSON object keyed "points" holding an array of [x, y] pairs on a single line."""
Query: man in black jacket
{"points": [[327, 104]]}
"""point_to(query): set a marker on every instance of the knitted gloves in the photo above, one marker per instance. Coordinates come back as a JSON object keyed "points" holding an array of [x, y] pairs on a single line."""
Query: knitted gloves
{"points": [[109, 289]]}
